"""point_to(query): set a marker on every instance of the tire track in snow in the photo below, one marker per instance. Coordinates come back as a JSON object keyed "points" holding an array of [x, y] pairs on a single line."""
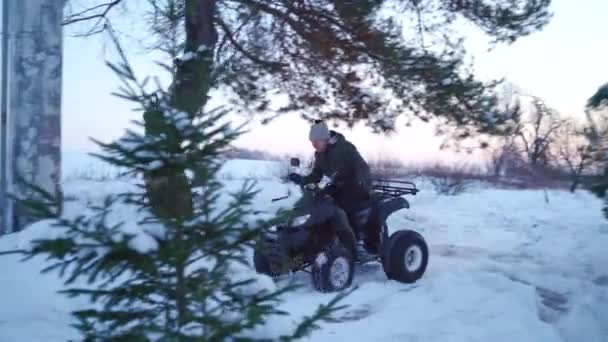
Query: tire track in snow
{"points": [[601, 281], [557, 307], [549, 300]]}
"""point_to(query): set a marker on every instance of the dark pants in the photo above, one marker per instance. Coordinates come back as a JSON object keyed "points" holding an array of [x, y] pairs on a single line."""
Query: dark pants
{"points": [[357, 212]]}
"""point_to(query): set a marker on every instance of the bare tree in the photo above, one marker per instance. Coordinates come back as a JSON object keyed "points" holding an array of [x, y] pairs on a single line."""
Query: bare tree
{"points": [[504, 159], [538, 133], [573, 151], [505, 155], [384, 167], [453, 179], [541, 146]]}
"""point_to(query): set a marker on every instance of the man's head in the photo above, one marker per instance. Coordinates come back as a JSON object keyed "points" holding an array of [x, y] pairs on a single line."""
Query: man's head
{"points": [[319, 136]]}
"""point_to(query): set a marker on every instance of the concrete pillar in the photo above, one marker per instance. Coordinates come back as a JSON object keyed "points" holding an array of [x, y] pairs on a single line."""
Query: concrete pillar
{"points": [[34, 116]]}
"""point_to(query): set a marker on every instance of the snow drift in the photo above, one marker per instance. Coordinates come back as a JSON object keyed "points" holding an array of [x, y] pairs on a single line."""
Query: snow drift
{"points": [[504, 265]]}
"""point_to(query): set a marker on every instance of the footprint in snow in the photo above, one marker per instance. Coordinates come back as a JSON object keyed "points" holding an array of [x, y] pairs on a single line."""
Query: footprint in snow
{"points": [[465, 252], [354, 315], [550, 304]]}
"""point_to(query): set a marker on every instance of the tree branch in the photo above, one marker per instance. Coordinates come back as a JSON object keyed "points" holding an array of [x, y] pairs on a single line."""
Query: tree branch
{"points": [[78, 17], [504, 20], [526, 145], [220, 47], [308, 21], [316, 12], [420, 24], [233, 41], [599, 100], [14, 251]]}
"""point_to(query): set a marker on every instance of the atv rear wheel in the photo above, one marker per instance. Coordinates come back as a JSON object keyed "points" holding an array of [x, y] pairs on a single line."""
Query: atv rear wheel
{"points": [[406, 256], [333, 269]]}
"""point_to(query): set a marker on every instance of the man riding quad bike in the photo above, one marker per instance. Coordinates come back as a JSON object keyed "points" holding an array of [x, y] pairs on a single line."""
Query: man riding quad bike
{"points": [[334, 227], [352, 186]]}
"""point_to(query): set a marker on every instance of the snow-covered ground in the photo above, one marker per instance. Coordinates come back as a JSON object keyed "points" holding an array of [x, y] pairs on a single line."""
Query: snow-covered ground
{"points": [[504, 266]]}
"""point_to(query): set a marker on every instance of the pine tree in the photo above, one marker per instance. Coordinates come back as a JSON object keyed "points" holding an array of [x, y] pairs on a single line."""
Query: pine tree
{"points": [[343, 61], [189, 282], [597, 134], [599, 100]]}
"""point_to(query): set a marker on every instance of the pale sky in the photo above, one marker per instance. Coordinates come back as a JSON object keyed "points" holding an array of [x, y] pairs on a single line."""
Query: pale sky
{"points": [[564, 64]]}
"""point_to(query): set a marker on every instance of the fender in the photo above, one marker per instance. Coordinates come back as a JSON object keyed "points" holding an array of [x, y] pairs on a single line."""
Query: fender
{"points": [[320, 214], [295, 237], [387, 206]]}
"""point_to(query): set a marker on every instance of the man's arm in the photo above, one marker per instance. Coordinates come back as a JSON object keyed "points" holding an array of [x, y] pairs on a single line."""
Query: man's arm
{"points": [[315, 176], [355, 169]]}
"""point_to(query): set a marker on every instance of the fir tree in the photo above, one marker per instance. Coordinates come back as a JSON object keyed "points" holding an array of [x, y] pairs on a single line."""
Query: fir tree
{"points": [[599, 100], [596, 108], [189, 283]]}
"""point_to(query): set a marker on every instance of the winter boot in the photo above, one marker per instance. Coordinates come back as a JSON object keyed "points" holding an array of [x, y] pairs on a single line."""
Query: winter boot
{"points": [[361, 253]]}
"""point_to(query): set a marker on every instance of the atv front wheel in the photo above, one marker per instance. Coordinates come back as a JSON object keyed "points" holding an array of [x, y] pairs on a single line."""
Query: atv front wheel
{"points": [[262, 264], [333, 269], [406, 256]]}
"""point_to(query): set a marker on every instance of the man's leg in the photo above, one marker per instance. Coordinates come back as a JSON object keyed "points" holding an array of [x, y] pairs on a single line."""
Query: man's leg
{"points": [[358, 214], [357, 217], [344, 229]]}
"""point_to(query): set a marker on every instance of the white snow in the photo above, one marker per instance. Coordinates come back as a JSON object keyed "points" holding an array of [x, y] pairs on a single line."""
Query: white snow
{"points": [[187, 56], [504, 266], [155, 165], [143, 242]]}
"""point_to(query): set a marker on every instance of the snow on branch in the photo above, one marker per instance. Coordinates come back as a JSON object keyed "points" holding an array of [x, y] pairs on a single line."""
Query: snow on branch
{"points": [[190, 55]]}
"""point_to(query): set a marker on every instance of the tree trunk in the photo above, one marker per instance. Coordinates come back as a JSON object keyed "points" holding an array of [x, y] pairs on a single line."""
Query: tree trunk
{"points": [[168, 187], [4, 222], [577, 174], [574, 184], [34, 145]]}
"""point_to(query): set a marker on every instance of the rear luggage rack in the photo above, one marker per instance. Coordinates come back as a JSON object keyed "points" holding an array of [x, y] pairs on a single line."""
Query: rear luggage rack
{"points": [[394, 188]]}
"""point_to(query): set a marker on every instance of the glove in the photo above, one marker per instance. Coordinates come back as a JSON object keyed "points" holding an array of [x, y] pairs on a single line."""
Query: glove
{"points": [[295, 178]]}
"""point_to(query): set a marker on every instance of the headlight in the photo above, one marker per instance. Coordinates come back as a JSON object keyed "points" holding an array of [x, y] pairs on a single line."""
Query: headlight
{"points": [[300, 220], [311, 186]]}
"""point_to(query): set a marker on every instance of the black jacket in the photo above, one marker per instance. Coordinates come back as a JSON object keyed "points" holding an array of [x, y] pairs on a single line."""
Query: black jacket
{"points": [[353, 174]]}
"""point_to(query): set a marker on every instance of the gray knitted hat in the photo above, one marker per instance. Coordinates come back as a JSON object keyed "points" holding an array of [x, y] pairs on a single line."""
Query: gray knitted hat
{"points": [[319, 131]]}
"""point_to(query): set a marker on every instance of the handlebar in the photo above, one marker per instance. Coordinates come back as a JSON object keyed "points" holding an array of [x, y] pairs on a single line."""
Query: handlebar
{"points": [[279, 198]]}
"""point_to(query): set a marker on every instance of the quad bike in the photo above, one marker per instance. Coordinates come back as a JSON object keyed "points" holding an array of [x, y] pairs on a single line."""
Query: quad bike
{"points": [[318, 238]]}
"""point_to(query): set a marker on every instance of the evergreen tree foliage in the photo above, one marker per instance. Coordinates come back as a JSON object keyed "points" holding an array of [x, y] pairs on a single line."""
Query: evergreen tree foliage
{"points": [[599, 100], [596, 109]]}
